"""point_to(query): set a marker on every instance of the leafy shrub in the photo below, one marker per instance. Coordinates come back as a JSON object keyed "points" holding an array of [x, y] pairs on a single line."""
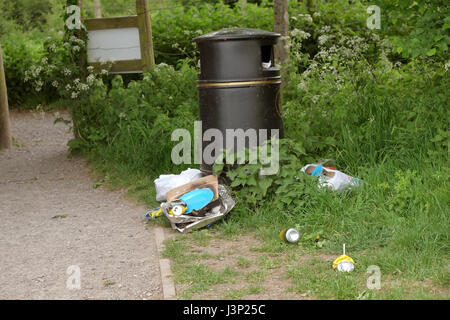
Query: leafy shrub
{"points": [[20, 52], [418, 28], [175, 29], [57, 75], [23, 15], [354, 102], [132, 124]]}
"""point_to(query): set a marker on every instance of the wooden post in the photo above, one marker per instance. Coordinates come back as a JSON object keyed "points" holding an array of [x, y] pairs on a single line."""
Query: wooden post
{"points": [[281, 26], [5, 133], [145, 34], [83, 53], [97, 9]]}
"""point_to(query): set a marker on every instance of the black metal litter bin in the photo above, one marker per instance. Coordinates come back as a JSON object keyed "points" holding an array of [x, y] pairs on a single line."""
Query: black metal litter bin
{"points": [[238, 86]]}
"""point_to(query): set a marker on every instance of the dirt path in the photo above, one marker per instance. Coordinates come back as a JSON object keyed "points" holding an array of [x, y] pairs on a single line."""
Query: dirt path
{"points": [[53, 218]]}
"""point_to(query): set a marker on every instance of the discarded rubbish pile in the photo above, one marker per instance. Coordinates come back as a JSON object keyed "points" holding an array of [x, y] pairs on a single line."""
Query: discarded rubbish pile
{"points": [[193, 205], [193, 202]]}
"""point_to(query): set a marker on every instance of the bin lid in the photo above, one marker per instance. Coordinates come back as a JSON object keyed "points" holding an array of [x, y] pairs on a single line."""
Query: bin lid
{"points": [[237, 34]]}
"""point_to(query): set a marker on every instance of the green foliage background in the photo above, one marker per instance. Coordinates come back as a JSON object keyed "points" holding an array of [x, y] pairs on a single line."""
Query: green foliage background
{"points": [[376, 101]]}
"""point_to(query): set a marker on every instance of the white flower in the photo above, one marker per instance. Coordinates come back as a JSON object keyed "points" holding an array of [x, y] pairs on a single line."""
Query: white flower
{"points": [[447, 65], [302, 86], [44, 60], [74, 95], [38, 85], [322, 39], [306, 17], [122, 116], [67, 72], [90, 79], [55, 84], [68, 87], [76, 81], [325, 29], [300, 34], [76, 48], [315, 99]]}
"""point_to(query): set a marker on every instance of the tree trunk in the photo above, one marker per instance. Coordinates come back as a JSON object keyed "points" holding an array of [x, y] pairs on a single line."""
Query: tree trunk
{"points": [[310, 5], [244, 7], [281, 26], [98, 8], [5, 133]]}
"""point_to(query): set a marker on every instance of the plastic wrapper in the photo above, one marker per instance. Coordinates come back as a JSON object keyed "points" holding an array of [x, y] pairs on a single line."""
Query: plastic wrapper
{"points": [[331, 178], [167, 182]]}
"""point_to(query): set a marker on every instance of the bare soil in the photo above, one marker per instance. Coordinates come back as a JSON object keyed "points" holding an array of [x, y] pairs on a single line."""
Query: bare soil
{"points": [[223, 253], [52, 217]]}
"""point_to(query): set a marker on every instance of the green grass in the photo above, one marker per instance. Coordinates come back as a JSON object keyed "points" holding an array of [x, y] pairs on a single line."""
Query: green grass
{"points": [[242, 293], [399, 223], [243, 262], [256, 277]]}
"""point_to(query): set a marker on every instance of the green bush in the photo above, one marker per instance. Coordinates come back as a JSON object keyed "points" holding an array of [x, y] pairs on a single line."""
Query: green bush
{"points": [[175, 29], [418, 28], [132, 124], [20, 52], [23, 15]]}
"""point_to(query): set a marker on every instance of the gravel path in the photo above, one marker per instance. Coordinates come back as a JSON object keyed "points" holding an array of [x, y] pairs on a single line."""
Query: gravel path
{"points": [[52, 218]]}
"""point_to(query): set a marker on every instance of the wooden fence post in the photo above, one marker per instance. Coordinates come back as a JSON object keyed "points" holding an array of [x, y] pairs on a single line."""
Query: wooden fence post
{"points": [[145, 34], [281, 26], [5, 133]]}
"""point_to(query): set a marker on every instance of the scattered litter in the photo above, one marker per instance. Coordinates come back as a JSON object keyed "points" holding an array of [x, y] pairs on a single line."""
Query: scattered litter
{"points": [[205, 217], [167, 182], [344, 263], [194, 205], [266, 65], [330, 177], [154, 213], [290, 235], [177, 208]]}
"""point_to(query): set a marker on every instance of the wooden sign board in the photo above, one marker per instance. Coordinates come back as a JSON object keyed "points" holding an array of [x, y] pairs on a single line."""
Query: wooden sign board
{"points": [[114, 40], [126, 42]]}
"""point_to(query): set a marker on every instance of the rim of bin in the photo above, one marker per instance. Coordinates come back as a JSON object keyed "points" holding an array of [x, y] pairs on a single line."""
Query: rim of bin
{"points": [[237, 34]]}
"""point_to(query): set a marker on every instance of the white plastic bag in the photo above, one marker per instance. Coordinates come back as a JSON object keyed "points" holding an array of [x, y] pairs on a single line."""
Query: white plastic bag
{"points": [[167, 182], [191, 174]]}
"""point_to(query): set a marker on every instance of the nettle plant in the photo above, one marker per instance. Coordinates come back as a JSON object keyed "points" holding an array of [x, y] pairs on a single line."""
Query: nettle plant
{"points": [[288, 188]]}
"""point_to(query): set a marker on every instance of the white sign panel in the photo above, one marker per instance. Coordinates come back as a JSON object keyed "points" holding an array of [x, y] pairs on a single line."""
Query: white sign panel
{"points": [[113, 45]]}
